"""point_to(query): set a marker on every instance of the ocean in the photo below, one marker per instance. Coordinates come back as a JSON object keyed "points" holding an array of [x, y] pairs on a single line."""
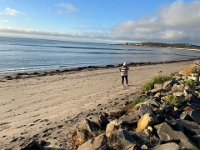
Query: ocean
{"points": [[28, 54]]}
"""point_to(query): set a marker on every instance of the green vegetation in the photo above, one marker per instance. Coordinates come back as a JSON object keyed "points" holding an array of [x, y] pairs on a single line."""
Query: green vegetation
{"points": [[191, 83], [172, 45], [138, 100], [174, 101], [156, 80]]}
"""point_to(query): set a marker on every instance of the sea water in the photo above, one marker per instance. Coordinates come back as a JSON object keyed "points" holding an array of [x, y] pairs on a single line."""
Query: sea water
{"points": [[30, 54]]}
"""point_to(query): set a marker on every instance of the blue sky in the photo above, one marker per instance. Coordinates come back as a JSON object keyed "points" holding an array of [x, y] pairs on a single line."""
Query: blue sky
{"points": [[100, 19]]}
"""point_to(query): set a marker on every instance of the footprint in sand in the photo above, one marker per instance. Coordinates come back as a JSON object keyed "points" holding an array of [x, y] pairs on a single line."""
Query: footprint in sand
{"points": [[31, 125]]}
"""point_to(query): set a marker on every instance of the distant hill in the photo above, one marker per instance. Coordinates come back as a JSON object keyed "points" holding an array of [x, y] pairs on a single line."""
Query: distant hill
{"points": [[174, 45]]}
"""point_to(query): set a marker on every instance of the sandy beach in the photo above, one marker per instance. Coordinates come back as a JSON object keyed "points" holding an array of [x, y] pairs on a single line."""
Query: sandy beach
{"points": [[45, 107]]}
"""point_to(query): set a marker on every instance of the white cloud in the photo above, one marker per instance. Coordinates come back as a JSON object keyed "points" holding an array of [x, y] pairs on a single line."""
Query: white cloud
{"points": [[67, 8], [10, 12], [178, 22]]}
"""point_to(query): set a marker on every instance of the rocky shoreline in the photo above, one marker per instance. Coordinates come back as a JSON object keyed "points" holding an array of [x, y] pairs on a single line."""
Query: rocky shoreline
{"points": [[166, 116], [24, 75]]}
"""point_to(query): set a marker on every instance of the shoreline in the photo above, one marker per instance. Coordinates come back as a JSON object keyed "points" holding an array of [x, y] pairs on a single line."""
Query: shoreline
{"points": [[23, 75]]}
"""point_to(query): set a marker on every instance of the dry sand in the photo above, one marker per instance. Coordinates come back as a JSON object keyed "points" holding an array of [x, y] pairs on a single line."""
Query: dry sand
{"points": [[34, 105]]}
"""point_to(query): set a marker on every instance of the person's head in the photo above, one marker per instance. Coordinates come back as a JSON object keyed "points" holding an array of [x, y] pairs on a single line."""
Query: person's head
{"points": [[124, 64]]}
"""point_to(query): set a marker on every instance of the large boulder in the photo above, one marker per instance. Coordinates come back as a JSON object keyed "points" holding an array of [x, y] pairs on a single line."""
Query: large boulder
{"points": [[143, 109], [194, 102], [90, 126], [98, 142], [187, 126], [143, 123], [167, 146], [166, 134], [128, 119], [122, 140], [195, 115]]}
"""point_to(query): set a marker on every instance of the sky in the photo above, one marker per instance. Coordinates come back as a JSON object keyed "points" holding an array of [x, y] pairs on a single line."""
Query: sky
{"points": [[114, 20]]}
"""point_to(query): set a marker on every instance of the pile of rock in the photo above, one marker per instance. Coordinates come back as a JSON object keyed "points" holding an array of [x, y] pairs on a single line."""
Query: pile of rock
{"points": [[168, 119]]}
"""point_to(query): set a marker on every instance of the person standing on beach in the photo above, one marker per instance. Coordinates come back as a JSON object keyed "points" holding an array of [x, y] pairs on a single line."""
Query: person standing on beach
{"points": [[124, 73]]}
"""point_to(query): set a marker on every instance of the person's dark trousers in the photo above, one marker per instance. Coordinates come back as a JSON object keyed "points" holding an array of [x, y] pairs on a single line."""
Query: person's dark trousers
{"points": [[126, 77]]}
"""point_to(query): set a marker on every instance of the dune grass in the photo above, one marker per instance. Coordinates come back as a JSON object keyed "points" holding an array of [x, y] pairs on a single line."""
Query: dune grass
{"points": [[191, 83], [174, 101], [156, 80]]}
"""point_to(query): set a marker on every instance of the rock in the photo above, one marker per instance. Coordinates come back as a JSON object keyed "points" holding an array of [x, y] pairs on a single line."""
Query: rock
{"points": [[116, 113], [195, 115], [111, 127], [143, 123], [143, 109], [158, 87], [189, 127], [157, 95], [144, 147], [196, 139], [148, 131], [150, 140], [90, 126], [103, 120], [166, 133], [177, 88], [98, 142], [150, 102], [178, 94], [167, 85], [167, 146], [80, 136], [34, 145], [194, 76], [128, 119], [188, 97], [122, 140], [184, 115], [194, 102], [186, 92], [187, 88]]}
